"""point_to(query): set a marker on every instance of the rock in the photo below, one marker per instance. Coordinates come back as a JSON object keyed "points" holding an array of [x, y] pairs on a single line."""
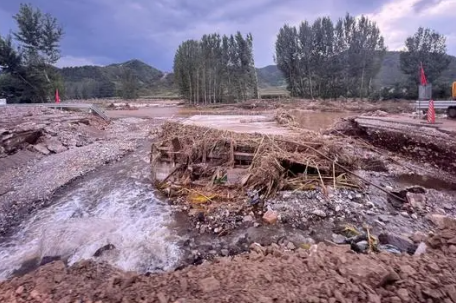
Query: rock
{"points": [[270, 217], [442, 221], [452, 249], [418, 237], [383, 218], [248, 219], [35, 294], [414, 216], [101, 250], [417, 200], [389, 248], [20, 290], [403, 294], [48, 259], [402, 243], [395, 300], [291, 246], [446, 234], [339, 239], [56, 147], [42, 149], [286, 194], [360, 246], [224, 252], [405, 214], [452, 241], [374, 298], [407, 271], [209, 284], [448, 206], [389, 278], [319, 213], [451, 291], [162, 298], [421, 249], [258, 248]]}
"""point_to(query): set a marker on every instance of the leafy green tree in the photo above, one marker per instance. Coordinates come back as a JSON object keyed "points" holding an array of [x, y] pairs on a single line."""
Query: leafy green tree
{"points": [[129, 84], [426, 47], [30, 76], [326, 60], [216, 69]]}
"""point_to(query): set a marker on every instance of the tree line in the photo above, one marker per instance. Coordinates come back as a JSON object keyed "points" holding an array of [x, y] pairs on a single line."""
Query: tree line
{"points": [[329, 60], [322, 59], [216, 69]]}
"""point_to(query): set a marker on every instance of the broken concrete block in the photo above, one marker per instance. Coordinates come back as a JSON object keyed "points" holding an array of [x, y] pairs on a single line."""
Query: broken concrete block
{"points": [[417, 200], [41, 148]]}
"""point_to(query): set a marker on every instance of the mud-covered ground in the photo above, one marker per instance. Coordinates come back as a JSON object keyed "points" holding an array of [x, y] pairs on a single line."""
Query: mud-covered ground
{"points": [[229, 268], [320, 273]]}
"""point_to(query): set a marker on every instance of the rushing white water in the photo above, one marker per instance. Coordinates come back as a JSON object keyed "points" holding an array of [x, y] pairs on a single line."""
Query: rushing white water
{"points": [[115, 205]]}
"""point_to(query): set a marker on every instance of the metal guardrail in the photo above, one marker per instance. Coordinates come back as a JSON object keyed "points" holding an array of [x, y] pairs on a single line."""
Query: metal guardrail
{"points": [[420, 105], [92, 108]]}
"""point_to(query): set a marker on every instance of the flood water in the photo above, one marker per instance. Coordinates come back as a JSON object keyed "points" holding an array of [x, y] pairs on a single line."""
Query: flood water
{"points": [[114, 205], [318, 120], [311, 120]]}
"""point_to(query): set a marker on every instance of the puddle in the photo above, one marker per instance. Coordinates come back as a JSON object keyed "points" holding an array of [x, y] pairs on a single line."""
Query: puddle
{"points": [[114, 205], [426, 182]]}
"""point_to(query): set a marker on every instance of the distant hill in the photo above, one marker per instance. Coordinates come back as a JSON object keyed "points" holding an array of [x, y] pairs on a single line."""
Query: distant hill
{"points": [[105, 81], [101, 82]]}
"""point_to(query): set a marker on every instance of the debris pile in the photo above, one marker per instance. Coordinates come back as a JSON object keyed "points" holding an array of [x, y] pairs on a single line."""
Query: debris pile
{"points": [[284, 117], [45, 130], [212, 165], [121, 106]]}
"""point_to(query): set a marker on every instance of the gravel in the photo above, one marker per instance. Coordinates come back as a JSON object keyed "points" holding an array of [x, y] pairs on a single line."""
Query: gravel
{"points": [[31, 184]]}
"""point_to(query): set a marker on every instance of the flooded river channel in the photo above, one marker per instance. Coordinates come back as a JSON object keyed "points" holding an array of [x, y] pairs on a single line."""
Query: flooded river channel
{"points": [[111, 214]]}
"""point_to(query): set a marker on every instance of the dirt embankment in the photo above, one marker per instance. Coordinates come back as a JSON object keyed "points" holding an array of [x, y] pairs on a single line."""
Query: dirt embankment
{"points": [[423, 143], [320, 273], [348, 105]]}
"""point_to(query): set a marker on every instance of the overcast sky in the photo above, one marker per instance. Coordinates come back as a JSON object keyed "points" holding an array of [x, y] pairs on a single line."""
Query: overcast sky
{"points": [[110, 31]]}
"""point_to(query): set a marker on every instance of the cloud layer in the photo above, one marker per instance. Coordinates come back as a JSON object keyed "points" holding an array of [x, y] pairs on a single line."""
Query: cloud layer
{"points": [[107, 31]]}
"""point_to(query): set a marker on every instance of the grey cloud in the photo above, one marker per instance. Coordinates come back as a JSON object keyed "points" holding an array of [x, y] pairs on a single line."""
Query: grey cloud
{"points": [[424, 4]]}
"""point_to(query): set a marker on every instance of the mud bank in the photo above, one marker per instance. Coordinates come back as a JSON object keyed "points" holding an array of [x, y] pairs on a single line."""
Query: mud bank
{"points": [[321, 273], [263, 181], [423, 143]]}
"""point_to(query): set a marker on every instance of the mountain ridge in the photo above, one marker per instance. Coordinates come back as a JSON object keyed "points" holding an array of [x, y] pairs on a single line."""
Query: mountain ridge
{"points": [[105, 81]]}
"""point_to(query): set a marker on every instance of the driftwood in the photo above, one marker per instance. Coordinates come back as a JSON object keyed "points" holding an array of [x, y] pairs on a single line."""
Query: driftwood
{"points": [[270, 163]]}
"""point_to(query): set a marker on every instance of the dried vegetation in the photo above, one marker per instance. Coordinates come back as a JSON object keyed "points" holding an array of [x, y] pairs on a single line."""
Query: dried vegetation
{"points": [[209, 164]]}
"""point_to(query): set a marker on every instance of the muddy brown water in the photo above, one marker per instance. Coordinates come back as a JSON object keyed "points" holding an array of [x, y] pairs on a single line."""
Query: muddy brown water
{"points": [[306, 119], [318, 120]]}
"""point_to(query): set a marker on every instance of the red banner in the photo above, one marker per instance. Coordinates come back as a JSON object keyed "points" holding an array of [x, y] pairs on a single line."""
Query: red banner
{"points": [[422, 76], [57, 98]]}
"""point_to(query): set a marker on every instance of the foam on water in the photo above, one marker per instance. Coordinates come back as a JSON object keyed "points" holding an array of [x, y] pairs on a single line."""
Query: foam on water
{"points": [[113, 207]]}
